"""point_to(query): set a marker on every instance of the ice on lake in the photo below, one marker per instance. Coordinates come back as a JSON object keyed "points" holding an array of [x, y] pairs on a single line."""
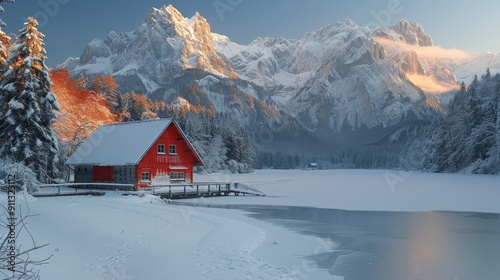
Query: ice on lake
{"points": [[372, 245]]}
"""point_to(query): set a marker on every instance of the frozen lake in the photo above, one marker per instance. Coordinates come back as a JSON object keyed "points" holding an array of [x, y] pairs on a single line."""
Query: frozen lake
{"points": [[371, 245], [394, 226]]}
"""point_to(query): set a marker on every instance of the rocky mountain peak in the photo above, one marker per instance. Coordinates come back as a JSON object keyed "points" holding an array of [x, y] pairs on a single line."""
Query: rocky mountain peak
{"points": [[164, 46], [413, 33], [201, 31], [350, 22], [337, 78], [167, 19], [194, 38], [172, 13]]}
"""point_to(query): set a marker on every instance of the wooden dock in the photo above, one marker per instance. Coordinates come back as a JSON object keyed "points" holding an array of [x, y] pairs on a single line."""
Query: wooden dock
{"points": [[90, 186], [202, 189], [73, 189], [168, 191], [81, 193]]}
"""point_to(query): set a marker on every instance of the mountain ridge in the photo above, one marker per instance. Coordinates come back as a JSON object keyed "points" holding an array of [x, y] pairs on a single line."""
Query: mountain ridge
{"points": [[333, 80]]}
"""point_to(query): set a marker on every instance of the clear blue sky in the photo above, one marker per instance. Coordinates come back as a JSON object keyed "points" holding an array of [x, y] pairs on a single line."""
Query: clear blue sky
{"points": [[70, 24]]}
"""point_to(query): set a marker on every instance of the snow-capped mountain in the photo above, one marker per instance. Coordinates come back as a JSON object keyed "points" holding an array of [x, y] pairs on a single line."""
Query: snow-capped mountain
{"points": [[340, 78], [152, 55], [336, 77], [413, 51], [172, 58]]}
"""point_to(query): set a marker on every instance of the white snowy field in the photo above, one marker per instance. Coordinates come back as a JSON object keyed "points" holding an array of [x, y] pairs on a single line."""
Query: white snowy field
{"points": [[129, 237]]}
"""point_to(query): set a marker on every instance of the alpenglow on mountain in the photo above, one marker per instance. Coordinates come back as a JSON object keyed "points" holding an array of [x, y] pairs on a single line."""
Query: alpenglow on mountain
{"points": [[341, 82]]}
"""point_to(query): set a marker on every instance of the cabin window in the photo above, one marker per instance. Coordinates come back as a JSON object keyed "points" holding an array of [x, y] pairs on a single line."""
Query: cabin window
{"points": [[145, 176], [177, 176], [172, 150], [161, 149]]}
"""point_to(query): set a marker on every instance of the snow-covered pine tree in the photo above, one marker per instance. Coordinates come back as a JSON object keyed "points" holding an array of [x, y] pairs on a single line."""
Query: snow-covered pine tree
{"points": [[457, 126], [4, 54], [487, 74], [468, 137], [497, 123], [473, 109], [4, 40], [5, 45], [28, 112]]}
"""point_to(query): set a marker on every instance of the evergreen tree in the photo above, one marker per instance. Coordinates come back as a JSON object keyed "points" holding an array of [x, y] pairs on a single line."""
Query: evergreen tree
{"points": [[486, 75], [5, 44], [497, 125], [28, 112], [456, 128], [136, 107], [468, 138], [4, 54], [473, 109]]}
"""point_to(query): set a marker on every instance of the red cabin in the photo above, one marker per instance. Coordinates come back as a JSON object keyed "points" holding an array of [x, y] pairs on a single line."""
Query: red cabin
{"points": [[135, 153]]}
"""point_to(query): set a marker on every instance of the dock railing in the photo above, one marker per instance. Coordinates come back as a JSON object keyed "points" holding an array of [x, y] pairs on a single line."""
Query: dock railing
{"points": [[171, 190]]}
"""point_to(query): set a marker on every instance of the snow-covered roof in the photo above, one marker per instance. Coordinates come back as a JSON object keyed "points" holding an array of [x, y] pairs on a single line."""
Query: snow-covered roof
{"points": [[119, 144]]}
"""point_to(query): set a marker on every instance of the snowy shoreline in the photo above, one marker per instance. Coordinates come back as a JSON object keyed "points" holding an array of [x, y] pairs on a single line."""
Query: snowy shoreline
{"points": [[129, 237]]}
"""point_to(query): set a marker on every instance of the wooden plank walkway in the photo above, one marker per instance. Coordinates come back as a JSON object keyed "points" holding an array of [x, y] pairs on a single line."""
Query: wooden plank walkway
{"points": [[201, 189], [91, 186], [78, 189], [92, 193], [170, 191]]}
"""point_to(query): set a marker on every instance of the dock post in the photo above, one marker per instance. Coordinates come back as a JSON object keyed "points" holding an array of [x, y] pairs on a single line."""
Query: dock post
{"points": [[208, 190], [197, 190], [170, 191], [185, 191]]}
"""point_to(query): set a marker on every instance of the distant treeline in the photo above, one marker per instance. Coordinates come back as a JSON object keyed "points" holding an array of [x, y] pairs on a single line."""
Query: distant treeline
{"points": [[381, 156]]}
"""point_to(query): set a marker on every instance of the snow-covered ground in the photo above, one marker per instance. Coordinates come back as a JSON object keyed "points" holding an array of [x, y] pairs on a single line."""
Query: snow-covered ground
{"points": [[130, 237]]}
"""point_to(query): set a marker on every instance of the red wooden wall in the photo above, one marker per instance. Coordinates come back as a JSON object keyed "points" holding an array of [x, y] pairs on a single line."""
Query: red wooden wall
{"points": [[102, 173], [153, 162]]}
